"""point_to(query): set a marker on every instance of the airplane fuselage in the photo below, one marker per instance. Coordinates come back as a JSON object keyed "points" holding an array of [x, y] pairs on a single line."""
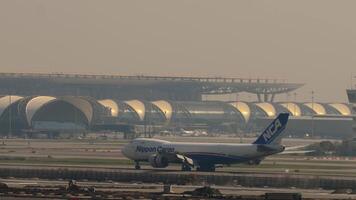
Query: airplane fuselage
{"points": [[159, 153], [202, 153]]}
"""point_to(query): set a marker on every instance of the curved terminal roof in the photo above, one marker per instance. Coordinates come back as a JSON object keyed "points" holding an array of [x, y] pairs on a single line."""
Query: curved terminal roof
{"points": [[114, 107], [293, 108], [138, 107], [165, 107], [7, 101], [243, 108], [35, 104], [341, 108], [81, 104], [267, 108], [317, 108]]}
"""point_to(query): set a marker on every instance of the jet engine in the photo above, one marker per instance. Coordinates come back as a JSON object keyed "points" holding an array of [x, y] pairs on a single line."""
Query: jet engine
{"points": [[158, 161]]}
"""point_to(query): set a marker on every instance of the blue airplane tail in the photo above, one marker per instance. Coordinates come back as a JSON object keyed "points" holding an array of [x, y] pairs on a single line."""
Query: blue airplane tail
{"points": [[273, 133]]}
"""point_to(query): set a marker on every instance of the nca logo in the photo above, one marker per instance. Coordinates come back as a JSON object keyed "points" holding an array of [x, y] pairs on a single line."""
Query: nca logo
{"points": [[271, 130]]}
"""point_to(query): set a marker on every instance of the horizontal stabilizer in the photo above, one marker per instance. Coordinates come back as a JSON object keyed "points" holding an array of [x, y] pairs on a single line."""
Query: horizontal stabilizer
{"points": [[299, 152]]}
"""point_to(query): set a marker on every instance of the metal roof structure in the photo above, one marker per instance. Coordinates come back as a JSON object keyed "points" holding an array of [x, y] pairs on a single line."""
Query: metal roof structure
{"points": [[140, 87], [7, 101]]}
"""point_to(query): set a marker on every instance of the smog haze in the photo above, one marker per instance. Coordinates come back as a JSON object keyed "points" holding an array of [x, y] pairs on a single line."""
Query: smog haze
{"points": [[308, 41]]}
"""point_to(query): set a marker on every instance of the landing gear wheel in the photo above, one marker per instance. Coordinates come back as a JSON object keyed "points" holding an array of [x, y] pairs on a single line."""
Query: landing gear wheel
{"points": [[137, 165], [186, 168], [212, 169]]}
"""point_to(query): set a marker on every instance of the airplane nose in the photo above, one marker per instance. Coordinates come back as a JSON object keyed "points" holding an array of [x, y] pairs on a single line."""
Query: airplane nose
{"points": [[126, 151]]}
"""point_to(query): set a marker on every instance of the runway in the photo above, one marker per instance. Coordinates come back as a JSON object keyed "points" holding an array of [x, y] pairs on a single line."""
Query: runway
{"points": [[107, 154], [90, 161]]}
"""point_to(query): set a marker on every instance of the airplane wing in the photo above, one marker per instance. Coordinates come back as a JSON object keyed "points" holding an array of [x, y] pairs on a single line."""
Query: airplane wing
{"points": [[295, 147], [177, 157]]}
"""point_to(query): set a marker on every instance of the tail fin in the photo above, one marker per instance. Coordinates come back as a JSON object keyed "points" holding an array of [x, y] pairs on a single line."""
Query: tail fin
{"points": [[273, 133]]}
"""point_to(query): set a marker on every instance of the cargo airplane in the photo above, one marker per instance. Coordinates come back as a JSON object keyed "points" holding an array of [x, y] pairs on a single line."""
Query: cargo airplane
{"points": [[207, 156]]}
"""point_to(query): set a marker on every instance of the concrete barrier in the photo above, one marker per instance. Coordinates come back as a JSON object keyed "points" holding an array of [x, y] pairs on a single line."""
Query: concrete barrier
{"points": [[247, 180]]}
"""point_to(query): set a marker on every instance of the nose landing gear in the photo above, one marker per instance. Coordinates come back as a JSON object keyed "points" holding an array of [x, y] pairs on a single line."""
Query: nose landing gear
{"points": [[137, 165]]}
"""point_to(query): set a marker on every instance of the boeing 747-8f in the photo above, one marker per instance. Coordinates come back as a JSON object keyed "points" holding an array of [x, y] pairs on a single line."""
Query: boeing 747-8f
{"points": [[206, 156]]}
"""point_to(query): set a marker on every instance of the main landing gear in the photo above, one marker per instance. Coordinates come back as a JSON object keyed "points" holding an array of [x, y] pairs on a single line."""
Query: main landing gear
{"points": [[186, 168], [137, 165]]}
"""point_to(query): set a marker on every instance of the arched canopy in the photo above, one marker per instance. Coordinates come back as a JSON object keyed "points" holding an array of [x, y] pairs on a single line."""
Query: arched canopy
{"points": [[341, 108], [267, 108], [293, 108], [7, 101], [36, 103], [165, 107], [81, 104], [138, 107], [317, 108], [109, 103], [243, 108]]}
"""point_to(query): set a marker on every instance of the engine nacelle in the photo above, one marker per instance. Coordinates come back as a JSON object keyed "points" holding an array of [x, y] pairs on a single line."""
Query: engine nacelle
{"points": [[158, 161]]}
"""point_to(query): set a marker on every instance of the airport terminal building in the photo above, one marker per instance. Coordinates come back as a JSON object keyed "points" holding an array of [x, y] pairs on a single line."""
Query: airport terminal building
{"points": [[138, 87], [32, 103], [81, 114]]}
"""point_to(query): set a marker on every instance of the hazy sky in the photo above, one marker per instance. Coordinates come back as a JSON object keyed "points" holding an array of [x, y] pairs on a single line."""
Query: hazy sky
{"points": [[312, 42]]}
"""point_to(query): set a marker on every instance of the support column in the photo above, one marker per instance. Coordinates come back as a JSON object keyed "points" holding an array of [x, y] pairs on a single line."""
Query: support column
{"points": [[265, 97], [259, 97], [272, 97]]}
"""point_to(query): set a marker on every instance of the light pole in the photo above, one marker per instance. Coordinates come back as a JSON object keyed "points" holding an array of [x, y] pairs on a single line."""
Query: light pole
{"points": [[312, 98], [287, 96], [237, 120], [10, 116], [295, 103]]}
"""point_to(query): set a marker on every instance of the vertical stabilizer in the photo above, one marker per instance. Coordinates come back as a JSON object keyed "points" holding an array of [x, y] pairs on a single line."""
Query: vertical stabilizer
{"points": [[273, 133]]}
